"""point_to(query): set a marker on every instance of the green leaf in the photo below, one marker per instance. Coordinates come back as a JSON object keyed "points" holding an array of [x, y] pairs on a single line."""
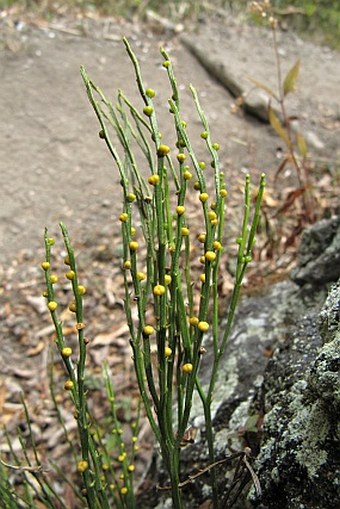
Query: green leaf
{"points": [[276, 124], [302, 145], [291, 77]]}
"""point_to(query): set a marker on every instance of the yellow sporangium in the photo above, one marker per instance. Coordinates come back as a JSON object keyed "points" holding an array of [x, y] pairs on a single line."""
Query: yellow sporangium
{"points": [[70, 274], [187, 367], [148, 330], [127, 264], [72, 307], [159, 290], [66, 352], [180, 209], [123, 217], [203, 326], [81, 289], [181, 157], [154, 180], [217, 245], [82, 466], [68, 385], [187, 175], [133, 245], [201, 237], [223, 193], [202, 278], [124, 490], [52, 305], [163, 150], [167, 279], [185, 231], [141, 276], [167, 351], [53, 279], [203, 197], [45, 265], [210, 256], [193, 320]]}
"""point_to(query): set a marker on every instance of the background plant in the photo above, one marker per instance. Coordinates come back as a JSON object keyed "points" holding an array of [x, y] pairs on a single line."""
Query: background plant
{"points": [[159, 287]]}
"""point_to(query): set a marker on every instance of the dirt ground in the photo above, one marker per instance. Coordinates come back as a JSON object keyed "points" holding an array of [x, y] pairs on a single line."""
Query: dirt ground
{"points": [[53, 167]]}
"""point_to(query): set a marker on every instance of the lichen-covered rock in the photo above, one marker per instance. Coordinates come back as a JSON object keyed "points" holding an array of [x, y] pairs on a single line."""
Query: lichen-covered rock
{"points": [[299, 461], [319, 254]]}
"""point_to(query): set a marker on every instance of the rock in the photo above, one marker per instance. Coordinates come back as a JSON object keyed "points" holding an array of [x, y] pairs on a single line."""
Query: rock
{"points": [[299, 461], [256, 102], [319, 254]]}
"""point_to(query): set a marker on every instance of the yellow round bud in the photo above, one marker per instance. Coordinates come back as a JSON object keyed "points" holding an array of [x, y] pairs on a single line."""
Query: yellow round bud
{"points": [[148, 330], [167, 351], [159, 290], [193, 320], [53, 279], [124, 490], [123, 217], [154, 179], [68, 385], [203, 326], [45, 265], [204, 197], [201, 237], [130, 197], [133, 231], [82, 466], [131, 468], [73, 307], [133, 245], [181, 157], [163, 150], [187, 175], [185, 231], [202, 165], [52, 305], [187, 368], [67, 260], [127, 264], [217, 245], [141, 276], [214, 222], [216, 146], [223, 193], [50, 241], [166, 63], [150, 92], [70, 274], [81, 289], [180, 209], [66, 352], [122, 457], [167, 279], [210, 256], [197, 186], [212, 215], [202, 278], [148, 111]]}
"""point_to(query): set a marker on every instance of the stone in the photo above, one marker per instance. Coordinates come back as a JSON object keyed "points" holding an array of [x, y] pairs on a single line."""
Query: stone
{"points": [[319, 254], [299, 460]]}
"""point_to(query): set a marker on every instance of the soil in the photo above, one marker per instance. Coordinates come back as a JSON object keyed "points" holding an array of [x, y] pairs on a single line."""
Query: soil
{"points": [[54, 167]]}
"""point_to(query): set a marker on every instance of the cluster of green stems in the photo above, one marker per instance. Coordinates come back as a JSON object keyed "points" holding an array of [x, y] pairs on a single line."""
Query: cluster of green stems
{"points": [[103, 482], [166, 287]]}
